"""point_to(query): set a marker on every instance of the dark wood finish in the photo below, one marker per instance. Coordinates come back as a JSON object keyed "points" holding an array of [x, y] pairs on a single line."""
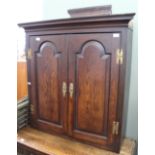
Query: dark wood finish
{"points": [[25, 150], [81, 51], [48, 71], [40, 143], [93, 70], [91, 11], [117, 20]]}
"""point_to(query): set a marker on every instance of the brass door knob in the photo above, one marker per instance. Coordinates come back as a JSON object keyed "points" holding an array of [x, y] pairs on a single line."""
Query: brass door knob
{"points": [[64, 89], [71, 89]]}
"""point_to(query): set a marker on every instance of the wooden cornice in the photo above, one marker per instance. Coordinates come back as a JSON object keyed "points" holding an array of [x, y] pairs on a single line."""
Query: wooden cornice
{"points": [[116, 20]]}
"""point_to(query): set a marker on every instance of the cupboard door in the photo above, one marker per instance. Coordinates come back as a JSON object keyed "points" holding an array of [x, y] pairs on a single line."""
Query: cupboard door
{"points": [[48, 78], [93, 84]]}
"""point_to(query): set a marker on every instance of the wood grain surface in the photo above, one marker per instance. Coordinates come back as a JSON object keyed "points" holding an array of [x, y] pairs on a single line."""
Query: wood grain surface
{"points": [[93, 70], [81, 52], [48, 72], [33, 139], [21, 80]]}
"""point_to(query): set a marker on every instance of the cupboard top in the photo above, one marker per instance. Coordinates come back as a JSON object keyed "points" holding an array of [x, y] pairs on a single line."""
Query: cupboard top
{"points": [[109, 20]]}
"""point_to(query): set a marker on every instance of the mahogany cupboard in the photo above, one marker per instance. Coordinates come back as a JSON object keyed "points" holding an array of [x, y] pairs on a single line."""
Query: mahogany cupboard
{"points": [[78, 70]]}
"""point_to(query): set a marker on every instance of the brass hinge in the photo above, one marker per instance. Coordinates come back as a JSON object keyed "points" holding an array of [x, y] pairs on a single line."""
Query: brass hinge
{"points": [[119, 56], [31, 108], [115, 128], [29, 54]]}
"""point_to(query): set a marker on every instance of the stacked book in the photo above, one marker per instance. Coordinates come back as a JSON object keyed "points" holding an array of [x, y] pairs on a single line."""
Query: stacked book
{"points": [[22, 113]]}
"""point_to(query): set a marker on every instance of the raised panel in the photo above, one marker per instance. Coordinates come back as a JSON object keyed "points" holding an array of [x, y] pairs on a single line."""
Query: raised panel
{"points": [[87, 61], [94, 72], [47, 62], [48, 73], [92, 88]]}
